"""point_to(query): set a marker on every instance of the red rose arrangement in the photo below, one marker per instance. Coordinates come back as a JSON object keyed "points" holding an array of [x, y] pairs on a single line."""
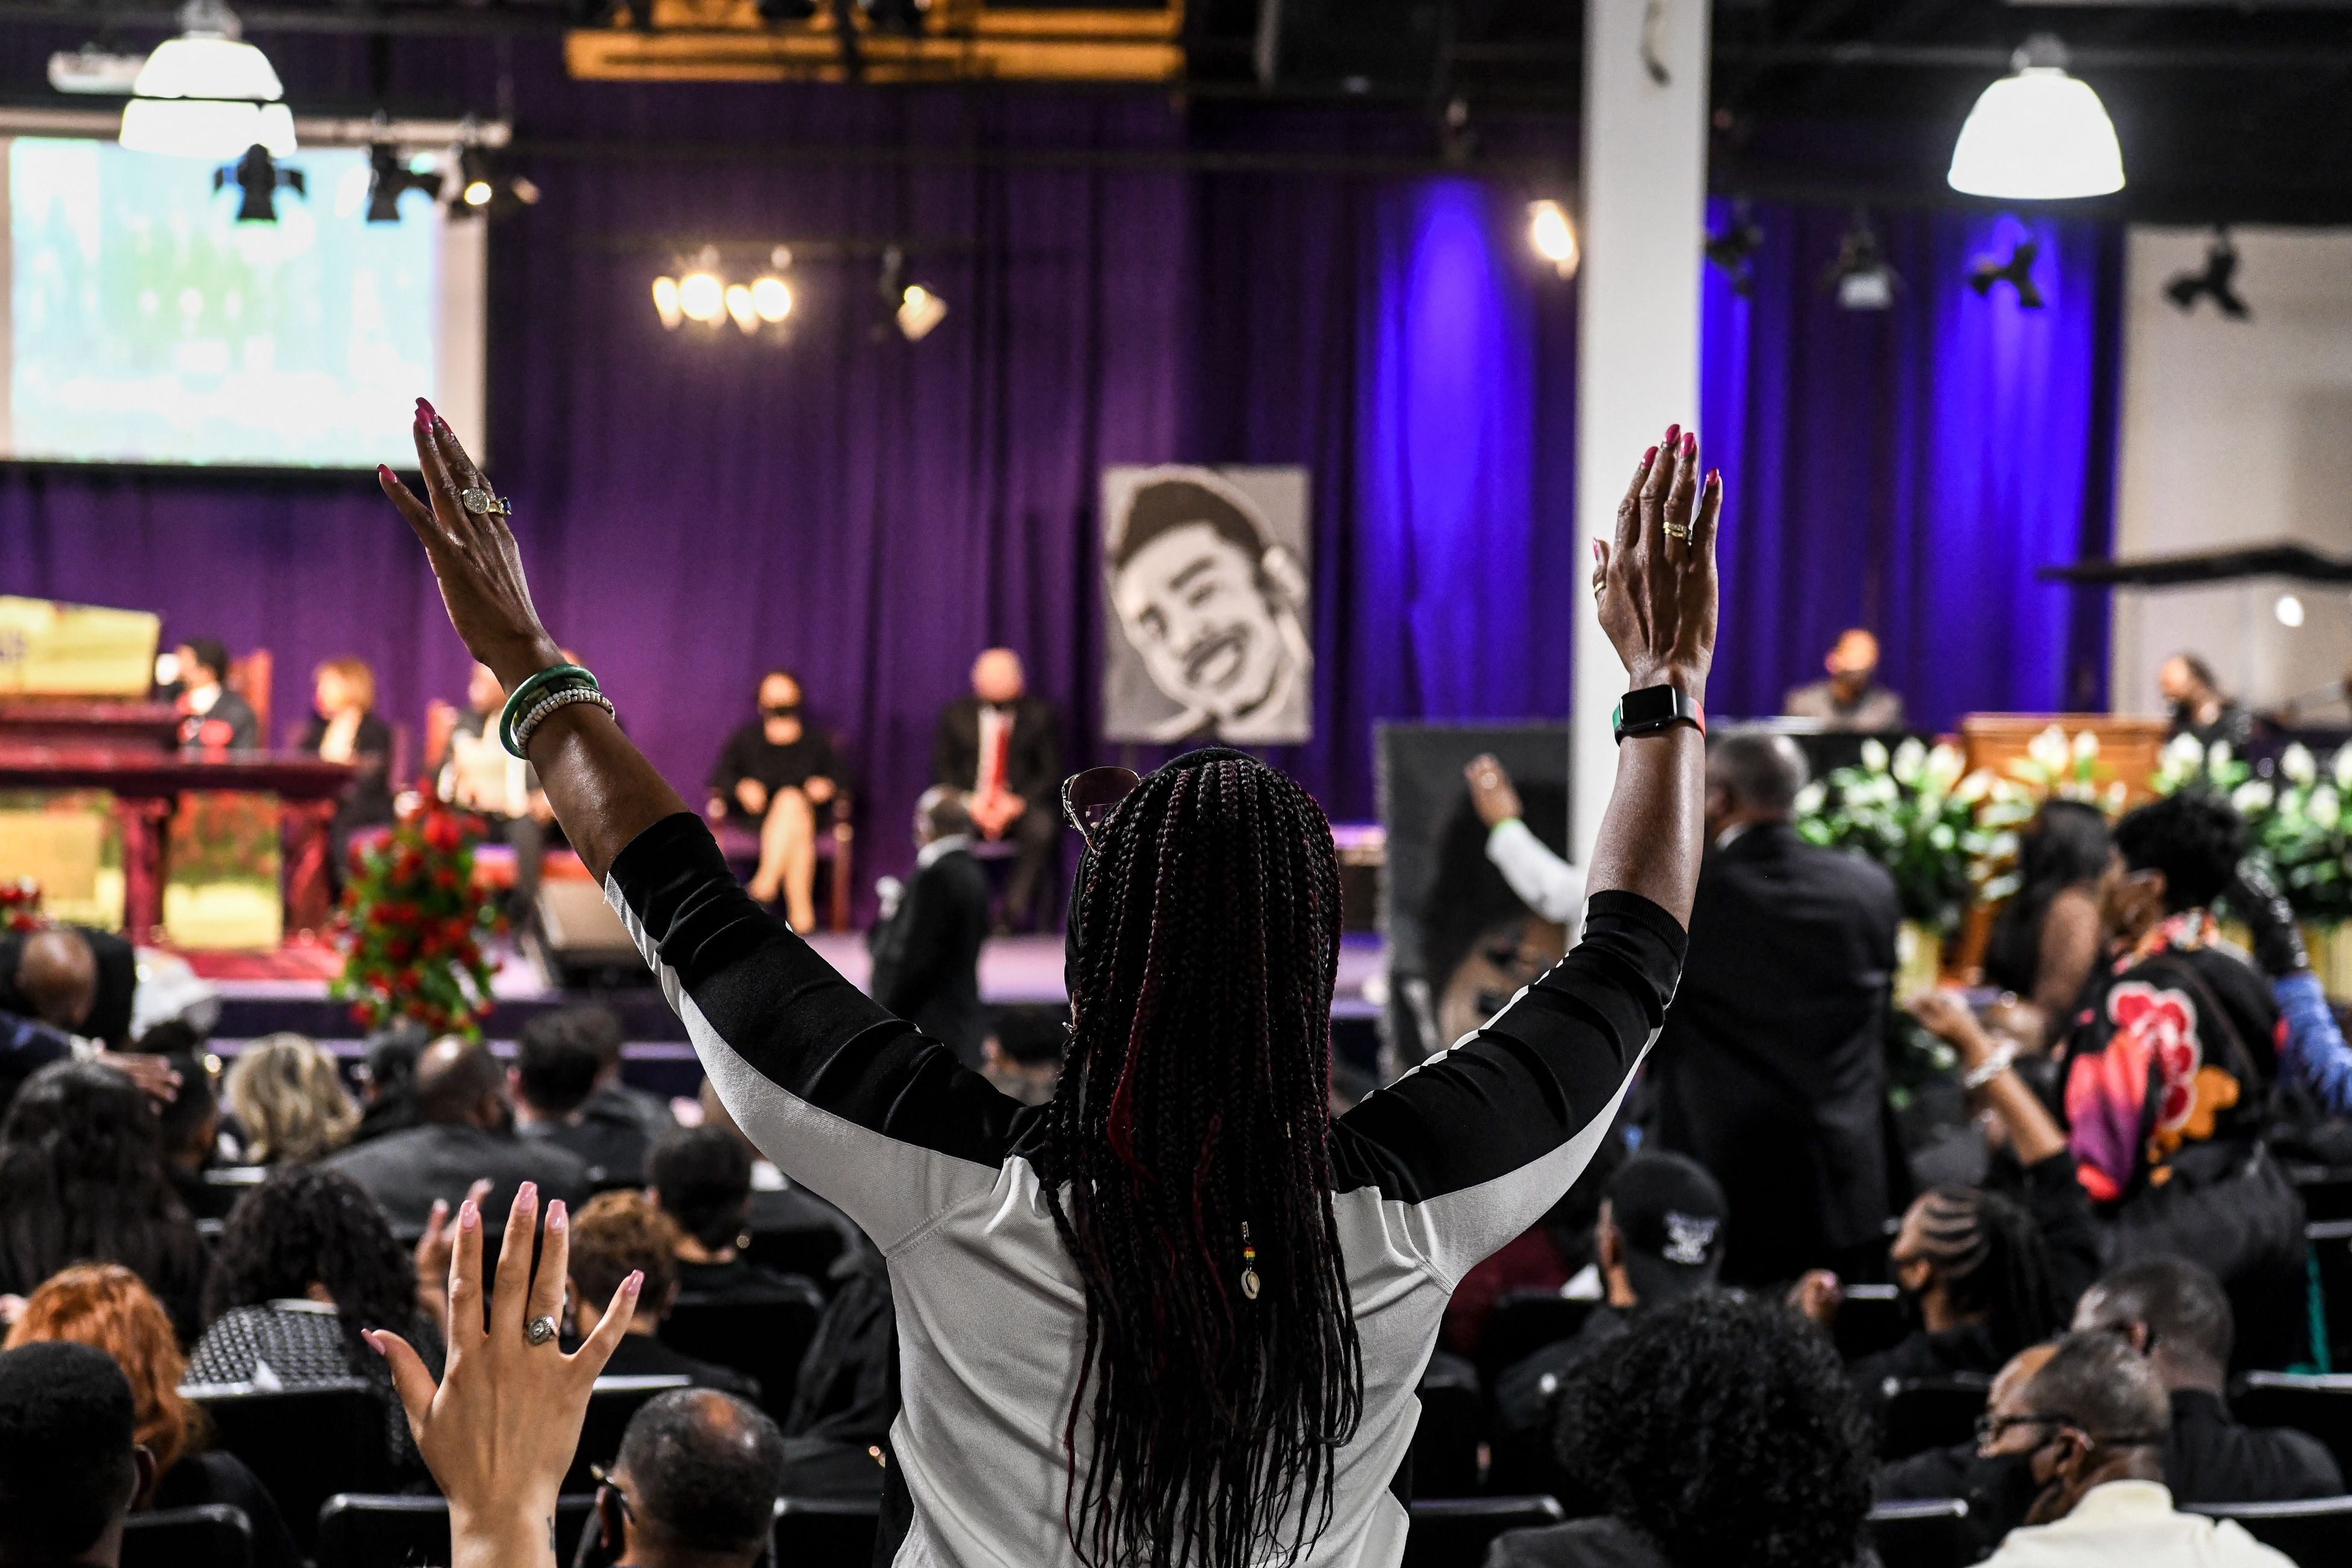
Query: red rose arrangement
{"points": [[20, 904], [414, 925]]}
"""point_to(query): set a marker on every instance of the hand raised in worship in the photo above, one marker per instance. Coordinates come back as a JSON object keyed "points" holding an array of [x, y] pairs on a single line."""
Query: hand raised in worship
{"points": [[1656, 582], [498, 1430], [1946, 1016], [1492, 795], [473, 555], [433, 1250]]}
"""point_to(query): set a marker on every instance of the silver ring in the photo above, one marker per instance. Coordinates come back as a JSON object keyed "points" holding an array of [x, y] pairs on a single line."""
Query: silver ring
{"points": [[482, 504], [539, 1331]]}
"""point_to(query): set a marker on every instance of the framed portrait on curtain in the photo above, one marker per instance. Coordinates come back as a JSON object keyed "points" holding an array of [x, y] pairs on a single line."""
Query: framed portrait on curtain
{"points": [[1207, 612]]}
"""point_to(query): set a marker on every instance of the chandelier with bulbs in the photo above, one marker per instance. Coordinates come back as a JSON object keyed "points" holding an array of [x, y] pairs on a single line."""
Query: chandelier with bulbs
{"points": [[700, 293]]}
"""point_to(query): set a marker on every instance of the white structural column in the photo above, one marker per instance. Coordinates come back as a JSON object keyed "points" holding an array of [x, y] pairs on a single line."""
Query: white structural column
{"points": [[1644, 223]]}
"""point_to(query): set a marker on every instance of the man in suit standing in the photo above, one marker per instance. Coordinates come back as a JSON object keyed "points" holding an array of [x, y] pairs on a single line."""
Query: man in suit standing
{"points": [[927, 945], [1000, 747], [1769, 1070]]}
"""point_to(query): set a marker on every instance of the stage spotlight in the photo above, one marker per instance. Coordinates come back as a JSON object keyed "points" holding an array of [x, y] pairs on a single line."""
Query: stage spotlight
{"points": [[1860, 276], [389, 179], [478, 189], [666, 303], [1552, 236], [1734, 250], [702, 298], [919, 310], [207, 93], [771, 298], [2016, 272], [2218, 282], [2289, 611], [2039, 134], [258, 177]]}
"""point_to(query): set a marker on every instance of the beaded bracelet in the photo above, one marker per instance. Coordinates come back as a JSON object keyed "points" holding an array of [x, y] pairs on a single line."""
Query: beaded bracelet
{"points": [[533, 688], [551, 701], [2003, 1057]]}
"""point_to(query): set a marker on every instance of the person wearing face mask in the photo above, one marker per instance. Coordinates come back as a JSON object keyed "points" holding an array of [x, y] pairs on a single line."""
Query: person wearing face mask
{"points": [[2080, 1442], [776, 771]]}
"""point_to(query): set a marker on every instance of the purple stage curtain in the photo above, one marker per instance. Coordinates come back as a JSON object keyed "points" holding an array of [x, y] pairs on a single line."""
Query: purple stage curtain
{"points": [[1909, 469]]}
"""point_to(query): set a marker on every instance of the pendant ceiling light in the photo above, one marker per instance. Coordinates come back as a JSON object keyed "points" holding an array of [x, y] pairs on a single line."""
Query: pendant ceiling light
{"points": [[2038, 134], [207, 93]]}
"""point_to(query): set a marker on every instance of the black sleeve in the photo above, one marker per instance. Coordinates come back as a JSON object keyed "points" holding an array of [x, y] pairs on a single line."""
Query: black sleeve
{"points": [[925, 947], [2070, 1235], [314, 733], [1484, 1138], [847, 1100], [731, 769], [945, 768], [1049, 757]]}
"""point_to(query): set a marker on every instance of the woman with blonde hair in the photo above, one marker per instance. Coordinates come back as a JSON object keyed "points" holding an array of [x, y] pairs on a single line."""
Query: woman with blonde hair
{"points": [[343, 728], [289, 1101], [105, 1306]]}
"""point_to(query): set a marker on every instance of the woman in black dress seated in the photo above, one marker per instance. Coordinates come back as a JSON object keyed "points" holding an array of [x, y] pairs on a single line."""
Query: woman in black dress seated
{"points": [[343, 728]]}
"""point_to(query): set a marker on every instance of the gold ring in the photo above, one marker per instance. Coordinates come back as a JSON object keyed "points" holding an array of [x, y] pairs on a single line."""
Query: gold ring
{"points": [[1674, 533]]}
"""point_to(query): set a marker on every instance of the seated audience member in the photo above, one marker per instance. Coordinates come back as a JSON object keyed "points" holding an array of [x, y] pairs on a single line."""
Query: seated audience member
{"points": [[623, 1233], [926, 947], [288, 1100], [695, 1485], [2175, 1314], [82, 982], [483, 777], [1770, 1070], [1989, 1473], [600, 1029], [2198, 709], [465, 1133], [188, 1126], [1022, 1053], [1851, 699], [2046, 939], [212, 718], [1715, 1431], [775, 772], [104, 1306], [701, 1178], [777, 1205], [387, 1076], [1002, 749], [83, 1179], [343, 728], [553, 1085], [1549, 884], [2085, 1435], [71, 1461], [1547, 1255]]}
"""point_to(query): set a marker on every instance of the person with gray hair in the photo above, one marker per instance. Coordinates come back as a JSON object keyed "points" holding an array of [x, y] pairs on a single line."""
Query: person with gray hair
{"points": [[926, 947], [2091, 1442], [1770, 1068]]}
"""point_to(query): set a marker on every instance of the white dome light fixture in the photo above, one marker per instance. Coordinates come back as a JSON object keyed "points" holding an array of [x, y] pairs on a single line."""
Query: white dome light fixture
{"points": [[207, 93], [2038, 134]]}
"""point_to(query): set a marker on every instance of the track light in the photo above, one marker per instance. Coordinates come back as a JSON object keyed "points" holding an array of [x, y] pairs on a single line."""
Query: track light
{"points": [[1860, 276], [2038, 134], [916, 308], [476, 189], [207, 93], [1733, 252], [1552, 236], [258, 177], [389, 179], [2218, 282], [2016, 272]]}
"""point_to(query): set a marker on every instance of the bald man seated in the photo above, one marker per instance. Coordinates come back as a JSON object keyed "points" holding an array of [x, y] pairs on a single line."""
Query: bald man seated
{"points": [[1002, 749], [695, 1485], [1851, 699], [70, 978]]}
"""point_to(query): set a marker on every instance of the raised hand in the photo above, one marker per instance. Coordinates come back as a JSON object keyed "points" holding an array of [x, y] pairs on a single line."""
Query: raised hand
{"points": [[1656, 581]]}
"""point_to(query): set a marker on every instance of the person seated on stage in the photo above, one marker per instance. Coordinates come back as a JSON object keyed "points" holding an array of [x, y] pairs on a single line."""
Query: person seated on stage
{"points": [[2048, 936], [1716, 1430], [1002, 749], [1851, 699], [343, 728], [2198, 708], [287, 1099], [2083, 1437], [70, 1460], [701, 1178], [212, 718], [466, 1132], [553, 1084], [105, 1307], [618, 1233], [695, 1485], [481, 776], [1022, 1053], [926, 946], [775, 772], [1549, 884]]}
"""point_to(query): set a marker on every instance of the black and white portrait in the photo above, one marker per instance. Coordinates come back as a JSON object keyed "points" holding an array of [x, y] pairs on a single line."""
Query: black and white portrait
{"points": [[1206, 606]]}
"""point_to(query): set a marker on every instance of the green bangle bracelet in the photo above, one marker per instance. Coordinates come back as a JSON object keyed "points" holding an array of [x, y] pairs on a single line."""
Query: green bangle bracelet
{"points": [[560, 675]]}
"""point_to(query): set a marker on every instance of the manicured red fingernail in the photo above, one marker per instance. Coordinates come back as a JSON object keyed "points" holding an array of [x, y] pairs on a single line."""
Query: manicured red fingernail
{"points": [[1673, 431], [427, 407], [1690, 445], [1649, 456], [1714, 477], [384, 470], [424, 415]]}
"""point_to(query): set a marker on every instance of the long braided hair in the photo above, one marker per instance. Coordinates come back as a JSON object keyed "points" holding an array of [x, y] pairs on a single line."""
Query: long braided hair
{"points": [[1989, 1253], [1184, 1160]]}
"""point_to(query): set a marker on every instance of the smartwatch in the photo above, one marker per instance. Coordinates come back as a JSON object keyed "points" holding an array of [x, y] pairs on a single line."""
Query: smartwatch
{"points": [[1656, 708]]}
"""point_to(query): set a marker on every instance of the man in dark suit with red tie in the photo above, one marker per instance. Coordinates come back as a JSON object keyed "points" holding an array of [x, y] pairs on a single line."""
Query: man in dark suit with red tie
{"points": [[1001, 748]]}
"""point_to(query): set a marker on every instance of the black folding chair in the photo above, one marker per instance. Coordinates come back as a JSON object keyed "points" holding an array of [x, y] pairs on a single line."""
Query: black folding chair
{"points": [[221, 1185], [358, 1530], [2326, 1190], [1930, 1413], [1869, 1320], [1932, 1533], [213, 1536], [826, 1532], [304, 1444], [2331, 1249], [1523, 1322], [1445, 1444], [2321, 1405], [764, 1337], [1455, 1533], [2316, 1533]]}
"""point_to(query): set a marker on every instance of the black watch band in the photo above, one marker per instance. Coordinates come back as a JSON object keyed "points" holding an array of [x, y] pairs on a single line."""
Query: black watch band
{"points": [[1656, 708]]}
